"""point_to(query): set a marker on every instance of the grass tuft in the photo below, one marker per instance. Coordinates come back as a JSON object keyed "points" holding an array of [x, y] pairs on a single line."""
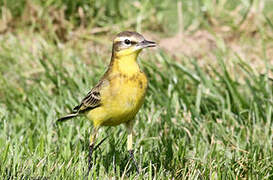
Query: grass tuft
{"points": [[208, 110]]}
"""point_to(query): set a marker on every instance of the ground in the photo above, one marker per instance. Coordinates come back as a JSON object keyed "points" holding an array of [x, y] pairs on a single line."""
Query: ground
{"points": [[208, 111]]}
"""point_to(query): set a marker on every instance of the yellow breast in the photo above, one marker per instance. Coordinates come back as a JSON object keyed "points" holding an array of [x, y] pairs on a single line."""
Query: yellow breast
{"points": [[122, 96]]}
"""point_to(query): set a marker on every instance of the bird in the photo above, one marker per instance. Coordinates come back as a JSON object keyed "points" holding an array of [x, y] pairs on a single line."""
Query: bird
{"points": [[119, 94]]}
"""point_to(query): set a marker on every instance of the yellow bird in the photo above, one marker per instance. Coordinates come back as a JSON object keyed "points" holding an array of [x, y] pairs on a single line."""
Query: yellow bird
{"points": [[119, 94]]}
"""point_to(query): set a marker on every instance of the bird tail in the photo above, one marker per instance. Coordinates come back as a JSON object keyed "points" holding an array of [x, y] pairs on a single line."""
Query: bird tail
{"points": [[67, 117]]}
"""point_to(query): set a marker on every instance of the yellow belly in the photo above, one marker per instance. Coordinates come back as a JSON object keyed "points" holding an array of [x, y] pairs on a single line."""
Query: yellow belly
{"points": [[121, 101]]}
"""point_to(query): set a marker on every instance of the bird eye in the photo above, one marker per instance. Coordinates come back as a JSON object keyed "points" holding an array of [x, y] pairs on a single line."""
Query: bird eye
{"points": [[127, 41]]}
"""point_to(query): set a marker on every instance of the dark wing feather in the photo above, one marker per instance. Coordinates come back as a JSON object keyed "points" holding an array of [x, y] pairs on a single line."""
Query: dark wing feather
{"points": [[91, 100]]}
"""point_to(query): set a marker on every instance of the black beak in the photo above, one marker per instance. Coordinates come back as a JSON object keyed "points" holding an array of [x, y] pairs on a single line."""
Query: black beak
{"points": [[145, 44]]}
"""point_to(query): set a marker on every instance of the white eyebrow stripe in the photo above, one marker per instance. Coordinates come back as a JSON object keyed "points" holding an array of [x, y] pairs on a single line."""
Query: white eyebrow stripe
{"points": [[123, 38]]}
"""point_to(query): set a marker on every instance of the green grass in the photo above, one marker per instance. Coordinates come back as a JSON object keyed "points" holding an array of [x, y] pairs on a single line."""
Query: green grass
{"points": [[211, 121]]}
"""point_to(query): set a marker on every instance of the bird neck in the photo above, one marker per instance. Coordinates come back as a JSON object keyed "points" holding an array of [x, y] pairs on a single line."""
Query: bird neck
{"points": [[126, 64]]}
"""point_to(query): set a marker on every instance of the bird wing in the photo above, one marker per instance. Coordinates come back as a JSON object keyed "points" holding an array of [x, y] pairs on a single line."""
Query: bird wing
{"points": [[91, 100]]}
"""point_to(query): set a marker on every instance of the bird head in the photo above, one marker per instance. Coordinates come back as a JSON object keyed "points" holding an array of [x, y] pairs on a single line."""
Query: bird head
{"points": [[128, 43]]}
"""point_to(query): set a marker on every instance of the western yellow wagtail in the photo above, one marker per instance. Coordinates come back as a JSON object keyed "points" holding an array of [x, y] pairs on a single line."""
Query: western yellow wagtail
{"points": [[119, 94]]}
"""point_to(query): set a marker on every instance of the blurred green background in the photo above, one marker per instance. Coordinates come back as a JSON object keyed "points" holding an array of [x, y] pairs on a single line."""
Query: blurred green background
{"points": [[208, 111]]}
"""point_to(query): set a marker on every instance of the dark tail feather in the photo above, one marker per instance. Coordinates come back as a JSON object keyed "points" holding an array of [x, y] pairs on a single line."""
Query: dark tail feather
{"points": [[77, 107], [69, 116]]}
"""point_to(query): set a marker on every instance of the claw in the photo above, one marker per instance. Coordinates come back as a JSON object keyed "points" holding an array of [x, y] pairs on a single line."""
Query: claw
{"points": [[100, 143]]}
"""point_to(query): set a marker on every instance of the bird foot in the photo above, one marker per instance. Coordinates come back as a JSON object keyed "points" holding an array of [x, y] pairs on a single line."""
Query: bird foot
{"points": [[132, 157]]}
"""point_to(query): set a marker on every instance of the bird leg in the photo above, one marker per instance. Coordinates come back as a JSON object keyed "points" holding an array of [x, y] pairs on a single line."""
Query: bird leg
{"points": [[130, 145], [131, 153], [91, 148]]}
